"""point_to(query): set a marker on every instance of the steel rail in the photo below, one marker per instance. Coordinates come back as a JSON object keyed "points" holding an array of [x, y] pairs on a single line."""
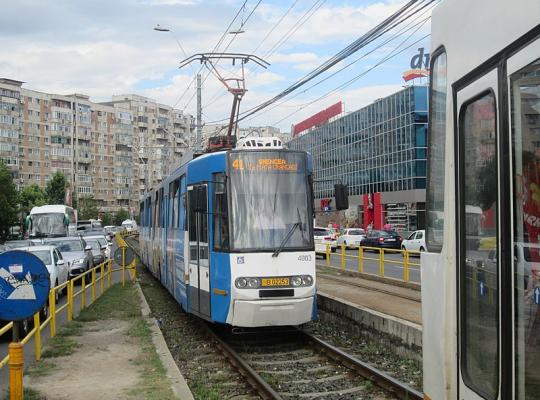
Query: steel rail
{"points": [[380, 378], [262, 388]]}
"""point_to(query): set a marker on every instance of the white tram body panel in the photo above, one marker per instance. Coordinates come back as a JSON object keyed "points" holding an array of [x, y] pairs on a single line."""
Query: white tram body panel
{"points": [[471, 33]]}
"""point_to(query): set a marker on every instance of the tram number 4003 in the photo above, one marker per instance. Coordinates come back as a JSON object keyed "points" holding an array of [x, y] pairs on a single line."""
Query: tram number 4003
{"points": [[304, 258]]}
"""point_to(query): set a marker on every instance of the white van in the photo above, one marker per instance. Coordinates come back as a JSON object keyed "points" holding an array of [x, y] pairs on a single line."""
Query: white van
{"points": [[129, 225]]}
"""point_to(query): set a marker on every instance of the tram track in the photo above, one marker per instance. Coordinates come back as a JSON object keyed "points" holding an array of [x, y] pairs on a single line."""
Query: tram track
{"points": [[294, 364]]}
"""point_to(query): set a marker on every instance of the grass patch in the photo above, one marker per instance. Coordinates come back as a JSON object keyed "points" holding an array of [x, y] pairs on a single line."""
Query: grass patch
{"points": [[72, 328], [59, 346], [117, 302], [201, 390], [153, 384], [28, 394], [40, 368]]}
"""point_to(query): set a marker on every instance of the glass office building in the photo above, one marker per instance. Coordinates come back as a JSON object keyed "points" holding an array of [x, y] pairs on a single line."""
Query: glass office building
{"points": [[380, 152]]}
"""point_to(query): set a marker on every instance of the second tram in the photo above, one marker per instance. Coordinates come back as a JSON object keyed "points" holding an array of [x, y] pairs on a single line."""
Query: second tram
{"points": [[481, 287], [230, 235]]}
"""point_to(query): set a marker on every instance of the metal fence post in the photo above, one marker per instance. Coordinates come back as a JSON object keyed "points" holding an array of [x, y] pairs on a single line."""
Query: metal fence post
{"points": [[381, 261], [343, 257], [327, 255], [52, 310], [93, 284], [109, 274], [70, 300], [83, 292], [37, 336], [123, 266], [360, 259], [101, 278]]}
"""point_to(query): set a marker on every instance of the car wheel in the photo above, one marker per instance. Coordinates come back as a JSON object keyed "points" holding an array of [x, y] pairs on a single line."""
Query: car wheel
{"points": [[403, 251], [345, 244], [44, 312], [333, 249], [422, 249]]}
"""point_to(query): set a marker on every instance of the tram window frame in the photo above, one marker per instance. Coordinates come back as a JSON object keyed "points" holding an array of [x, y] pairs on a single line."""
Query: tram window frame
{"points": [[465, 349], [431, 189], [174, 189], [161, 208], [220, 220]]}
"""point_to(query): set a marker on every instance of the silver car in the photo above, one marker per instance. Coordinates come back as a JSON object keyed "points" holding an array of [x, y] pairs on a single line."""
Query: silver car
{"points": [[76, 252]]}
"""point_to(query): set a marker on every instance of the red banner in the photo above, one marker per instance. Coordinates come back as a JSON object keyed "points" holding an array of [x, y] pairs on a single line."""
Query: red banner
{"points": [[319, 118]]}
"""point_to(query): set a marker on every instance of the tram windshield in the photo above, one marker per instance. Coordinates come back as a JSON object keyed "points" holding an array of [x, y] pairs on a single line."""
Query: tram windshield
{"points": [[270, 202]]}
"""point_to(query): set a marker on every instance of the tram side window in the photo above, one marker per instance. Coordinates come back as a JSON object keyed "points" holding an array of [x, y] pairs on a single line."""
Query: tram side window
{"points": [[174, 192], [182, 204], [220, 214], [525, 102], [161, 209], [479, 237], [437, 137]]}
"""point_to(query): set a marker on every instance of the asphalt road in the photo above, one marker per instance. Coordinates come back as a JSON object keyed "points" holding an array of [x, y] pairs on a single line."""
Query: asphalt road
{"points": [[393, 265], [61, 319]]}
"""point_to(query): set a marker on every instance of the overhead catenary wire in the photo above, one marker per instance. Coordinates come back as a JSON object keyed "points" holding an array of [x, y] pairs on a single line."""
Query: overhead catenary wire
{"points": [[281, 41], [226, 48], [413, 24], [213, 50], [404, 13]]}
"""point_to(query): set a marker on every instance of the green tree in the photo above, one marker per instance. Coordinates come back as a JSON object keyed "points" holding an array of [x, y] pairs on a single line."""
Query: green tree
{"points": [[31, 196], [88, 208], [56, 188], [107, 219], [8, 201], [120, 216]]}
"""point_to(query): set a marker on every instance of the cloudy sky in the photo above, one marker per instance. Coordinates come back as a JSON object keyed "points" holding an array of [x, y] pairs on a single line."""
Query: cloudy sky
{"points": [[102, 48]]}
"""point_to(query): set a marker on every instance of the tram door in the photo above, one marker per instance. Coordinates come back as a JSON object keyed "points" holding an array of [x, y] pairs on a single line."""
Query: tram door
{"points": [[498, 139], [479, 264], [199, 266]]}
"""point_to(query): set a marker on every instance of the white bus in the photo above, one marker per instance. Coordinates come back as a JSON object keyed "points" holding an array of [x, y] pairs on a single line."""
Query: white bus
{"points": [[51, 221]]}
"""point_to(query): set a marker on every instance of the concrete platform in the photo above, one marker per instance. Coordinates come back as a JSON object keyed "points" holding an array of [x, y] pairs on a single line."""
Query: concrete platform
{"points": [[392, 310]]}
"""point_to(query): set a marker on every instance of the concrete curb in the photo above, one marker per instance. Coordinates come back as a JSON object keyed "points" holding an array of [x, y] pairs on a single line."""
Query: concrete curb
{"points": [[407, 332], [371, 277], [178, 384]]}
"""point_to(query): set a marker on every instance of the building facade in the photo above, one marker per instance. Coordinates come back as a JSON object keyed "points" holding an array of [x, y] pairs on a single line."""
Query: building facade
{"points": [[379, 151], [111, 151]]}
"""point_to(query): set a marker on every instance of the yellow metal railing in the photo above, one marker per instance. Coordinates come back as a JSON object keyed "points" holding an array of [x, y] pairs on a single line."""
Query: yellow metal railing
{"points": [[381, 259], [89, 281]]}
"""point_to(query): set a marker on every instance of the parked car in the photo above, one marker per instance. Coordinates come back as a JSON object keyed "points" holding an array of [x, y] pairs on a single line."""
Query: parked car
{"points": [[102, 239], [415, 242], [351, 237], [76, 252], [382, 239], [322, 238], [53, 260], [109, 231], [98, 250], [17, 244]]}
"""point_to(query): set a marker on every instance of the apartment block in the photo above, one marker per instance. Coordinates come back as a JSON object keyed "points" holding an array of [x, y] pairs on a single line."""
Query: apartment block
{"points": [[112, 151]]}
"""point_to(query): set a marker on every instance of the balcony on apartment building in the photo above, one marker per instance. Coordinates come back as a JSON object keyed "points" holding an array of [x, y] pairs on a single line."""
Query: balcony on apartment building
{"points": [[84, 158]]}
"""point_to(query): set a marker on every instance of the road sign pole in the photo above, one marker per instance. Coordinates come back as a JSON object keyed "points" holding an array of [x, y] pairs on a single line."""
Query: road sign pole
{"points": [[16, 363]]}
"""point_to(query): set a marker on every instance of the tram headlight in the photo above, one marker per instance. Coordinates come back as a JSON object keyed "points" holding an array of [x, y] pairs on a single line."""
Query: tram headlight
{"points": [[253, 283], [307, 280], [296, 281], [241, 283]]}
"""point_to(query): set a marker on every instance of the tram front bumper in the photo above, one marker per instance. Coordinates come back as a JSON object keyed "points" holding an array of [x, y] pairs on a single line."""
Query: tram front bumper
{"points": [[275, 312]]}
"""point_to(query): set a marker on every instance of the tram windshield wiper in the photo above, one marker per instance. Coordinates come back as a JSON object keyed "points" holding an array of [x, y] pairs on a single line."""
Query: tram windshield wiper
{"points": [[297, 224]]}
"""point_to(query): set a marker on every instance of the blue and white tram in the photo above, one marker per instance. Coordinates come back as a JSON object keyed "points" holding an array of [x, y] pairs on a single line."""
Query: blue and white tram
{"points": [[481, 281], [230, 235]]}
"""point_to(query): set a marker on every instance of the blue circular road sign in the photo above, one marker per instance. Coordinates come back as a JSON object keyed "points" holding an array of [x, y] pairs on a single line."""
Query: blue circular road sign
{"points": [[24, 285]]}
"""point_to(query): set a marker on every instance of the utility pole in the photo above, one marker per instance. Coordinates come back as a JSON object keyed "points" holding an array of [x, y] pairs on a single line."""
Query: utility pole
{"points": [[198, 136]]}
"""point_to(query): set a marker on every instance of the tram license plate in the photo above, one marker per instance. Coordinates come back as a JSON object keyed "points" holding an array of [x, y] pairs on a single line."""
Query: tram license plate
{"points": [[275, 282]]}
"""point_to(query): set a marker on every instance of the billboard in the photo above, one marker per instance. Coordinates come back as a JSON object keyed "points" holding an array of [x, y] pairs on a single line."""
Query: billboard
{"points": [[419, 66], [318, 119]]}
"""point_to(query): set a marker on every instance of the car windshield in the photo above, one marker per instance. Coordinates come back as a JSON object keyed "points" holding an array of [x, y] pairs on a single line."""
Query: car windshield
{"points": [[320, 232], [94, 244], [18, 243], [67, 245], [44, 255], [271, 204], [46, 225], [356, 232]]}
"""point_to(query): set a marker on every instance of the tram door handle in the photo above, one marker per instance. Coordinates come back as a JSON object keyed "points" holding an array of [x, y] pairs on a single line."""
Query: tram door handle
{"points": [[207, 274]]}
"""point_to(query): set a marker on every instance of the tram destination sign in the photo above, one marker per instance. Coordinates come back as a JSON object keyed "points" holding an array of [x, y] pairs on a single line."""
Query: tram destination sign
{"points": [[264, 162], [24, 285]]}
